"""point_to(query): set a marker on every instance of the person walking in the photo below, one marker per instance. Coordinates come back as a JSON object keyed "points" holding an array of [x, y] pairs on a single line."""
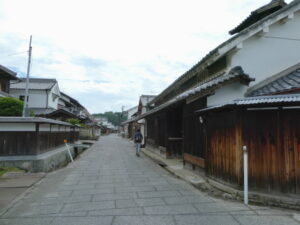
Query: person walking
{"points": [[138, 138]]}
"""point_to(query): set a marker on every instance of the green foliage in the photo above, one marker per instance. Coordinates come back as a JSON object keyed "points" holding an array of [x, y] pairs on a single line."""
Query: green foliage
{"points": [[115, 118], [31, 113], [10, 106], [73, 121]]}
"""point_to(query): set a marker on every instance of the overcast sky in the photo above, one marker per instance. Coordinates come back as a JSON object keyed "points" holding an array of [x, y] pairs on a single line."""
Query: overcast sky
{"points": [[106, 53]]}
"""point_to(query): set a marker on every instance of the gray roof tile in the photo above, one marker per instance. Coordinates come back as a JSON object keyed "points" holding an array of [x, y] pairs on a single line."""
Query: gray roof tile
{"points": [[35, 84], [259, 14], [257, 101], [285, 83], [235, 73]]}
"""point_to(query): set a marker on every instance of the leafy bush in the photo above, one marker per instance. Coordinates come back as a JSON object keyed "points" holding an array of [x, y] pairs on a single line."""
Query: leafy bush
{"points": [[32, 113], [10, 106]]}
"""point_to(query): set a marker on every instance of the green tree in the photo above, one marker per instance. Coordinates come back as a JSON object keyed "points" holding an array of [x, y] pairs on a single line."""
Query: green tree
{"points": [[10, 106], [115, 118], [73, 121]]}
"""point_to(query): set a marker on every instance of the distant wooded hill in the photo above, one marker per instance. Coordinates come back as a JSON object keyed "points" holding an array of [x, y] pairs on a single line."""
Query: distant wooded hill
{"points": [[115, 118]]}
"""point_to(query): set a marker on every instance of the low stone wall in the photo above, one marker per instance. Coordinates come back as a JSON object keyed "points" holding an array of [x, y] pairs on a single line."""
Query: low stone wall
{"points": [[45, 162]]}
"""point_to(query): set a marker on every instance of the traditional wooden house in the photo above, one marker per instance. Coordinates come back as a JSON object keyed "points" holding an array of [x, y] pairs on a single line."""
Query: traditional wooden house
{"points": [[43, 94], [6, 76], [130, 125], [143, 108], [262, 58], [46, 100]]}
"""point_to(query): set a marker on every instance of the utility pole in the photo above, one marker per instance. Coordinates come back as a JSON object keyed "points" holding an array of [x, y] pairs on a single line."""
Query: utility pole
{"points": [[25, 107]]}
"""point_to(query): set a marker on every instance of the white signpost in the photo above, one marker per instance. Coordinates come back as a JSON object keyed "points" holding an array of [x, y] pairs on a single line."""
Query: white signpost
{"points": [[245, 174], [68, 149]]}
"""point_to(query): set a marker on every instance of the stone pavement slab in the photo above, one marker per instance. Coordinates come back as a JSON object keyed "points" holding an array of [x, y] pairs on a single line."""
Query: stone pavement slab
{"points": [[206, 220], [109, 185], [7, 195], [19, 179], [265, 220], [144, 220], [107, 220]]}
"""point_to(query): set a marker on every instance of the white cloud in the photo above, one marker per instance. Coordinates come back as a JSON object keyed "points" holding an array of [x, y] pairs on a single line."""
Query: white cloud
{"points": [[106, 53]]}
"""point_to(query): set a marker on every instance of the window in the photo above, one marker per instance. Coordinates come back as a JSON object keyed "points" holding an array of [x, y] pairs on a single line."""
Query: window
{"points": [[22, 97]]}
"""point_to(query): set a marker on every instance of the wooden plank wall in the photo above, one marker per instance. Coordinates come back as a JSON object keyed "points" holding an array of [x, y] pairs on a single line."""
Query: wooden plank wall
{"points": [[291, 144], [223, 156], [48, 141], [18, 143], [161, 129], [156, 129], [273, 140], [194, 140], [32, 143], [174, 122]]}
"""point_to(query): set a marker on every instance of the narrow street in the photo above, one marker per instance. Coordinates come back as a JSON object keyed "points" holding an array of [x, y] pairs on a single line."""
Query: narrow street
{"points": [[109, 185]]}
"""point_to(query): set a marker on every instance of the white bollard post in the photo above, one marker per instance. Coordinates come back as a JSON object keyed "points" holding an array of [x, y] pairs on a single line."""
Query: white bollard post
{"points": [[68, 149], [245, 174]]}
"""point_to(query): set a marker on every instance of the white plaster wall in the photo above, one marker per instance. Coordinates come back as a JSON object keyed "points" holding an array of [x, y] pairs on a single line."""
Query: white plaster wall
{"points": [[53, 103], [262, 57], [227, 94], [37, 98], [132, 111], [17, 126], [144, 110]]}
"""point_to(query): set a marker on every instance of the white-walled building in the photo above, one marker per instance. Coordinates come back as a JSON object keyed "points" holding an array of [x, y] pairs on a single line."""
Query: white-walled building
{"points": [[128, 125], [43, 93]]}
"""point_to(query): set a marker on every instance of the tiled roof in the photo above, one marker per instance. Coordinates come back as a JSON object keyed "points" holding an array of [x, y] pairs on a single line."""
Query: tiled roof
{"points": [[268, 99], [31, 120], [50, 111], [214, 52], [8, 73], [35, 84], [43, 111], [235, 74], [257, 101], [285, 83], [259, 14], [4, 94]]}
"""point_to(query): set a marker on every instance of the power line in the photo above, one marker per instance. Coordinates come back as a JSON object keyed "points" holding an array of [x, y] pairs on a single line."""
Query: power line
{"points": [[282, 38], [17, 53]]}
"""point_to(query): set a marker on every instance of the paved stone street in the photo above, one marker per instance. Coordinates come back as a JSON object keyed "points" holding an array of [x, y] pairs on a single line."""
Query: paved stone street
{"points": [[109, 185]]}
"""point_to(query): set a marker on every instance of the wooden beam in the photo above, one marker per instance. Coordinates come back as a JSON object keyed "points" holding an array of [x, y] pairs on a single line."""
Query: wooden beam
{"points": [[197, 161]]}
